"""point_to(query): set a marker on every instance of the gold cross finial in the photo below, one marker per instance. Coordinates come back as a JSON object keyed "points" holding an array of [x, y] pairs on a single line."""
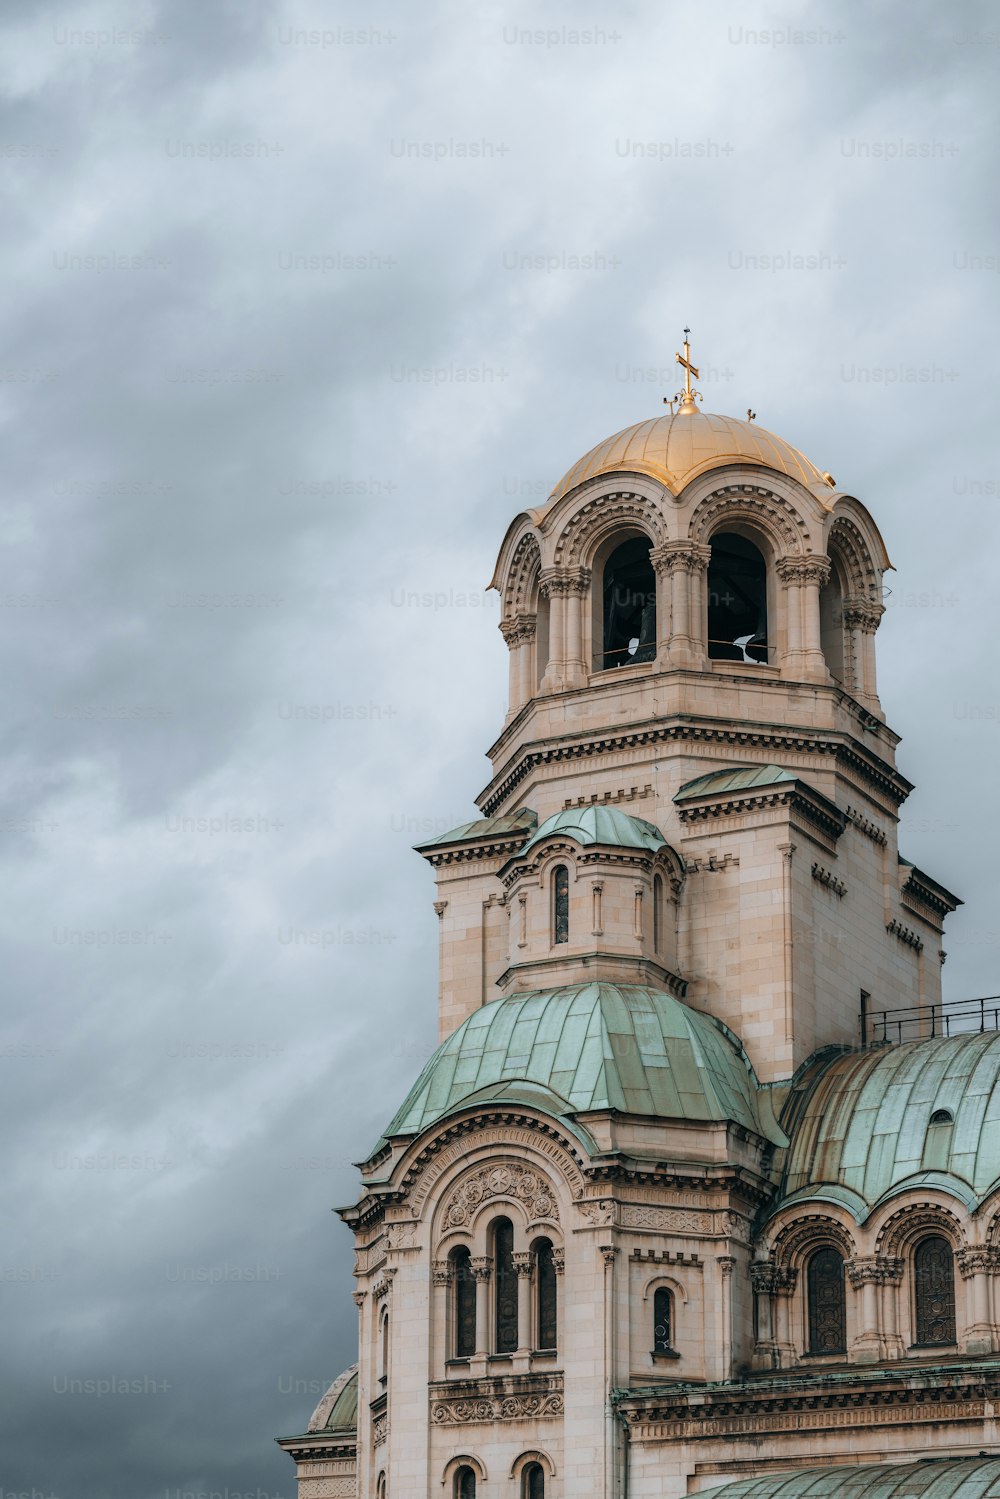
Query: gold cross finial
{"points": [[688, 396]]}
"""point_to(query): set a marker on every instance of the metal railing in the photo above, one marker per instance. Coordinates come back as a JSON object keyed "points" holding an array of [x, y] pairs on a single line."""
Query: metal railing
{"points": [[925, 1022]]}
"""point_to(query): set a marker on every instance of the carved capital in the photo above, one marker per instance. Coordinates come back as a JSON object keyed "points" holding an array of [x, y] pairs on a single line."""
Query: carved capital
{"points": [[768, 1278], [518, 628], [725, 1262], [802, 570], [976, 1261], [360, 1297], [481, 1267], [555, 582], [867, 1270], [558, 1259], [690, 556], [609, 1253], [442, 1272], [863, 615], [523, 1263]]}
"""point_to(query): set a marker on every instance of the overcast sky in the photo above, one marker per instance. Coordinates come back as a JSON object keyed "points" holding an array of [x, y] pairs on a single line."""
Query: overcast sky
{"points": [[301, 304]]}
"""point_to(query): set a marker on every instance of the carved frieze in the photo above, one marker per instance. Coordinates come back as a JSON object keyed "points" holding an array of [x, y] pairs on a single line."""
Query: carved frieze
{"points": [[509, 1179]]}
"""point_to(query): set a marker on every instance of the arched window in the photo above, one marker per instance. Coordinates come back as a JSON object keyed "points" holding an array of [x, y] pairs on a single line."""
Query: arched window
{"points": [[465, 1483], [380, 1488], [826, 1301], [560, 904], [737, 600], [533, 1482], [463, 1290], [505, 1280], [629, 605], [657, 912], [663, 1310], [934, 1291], [545, 1295], [384, 1351]]}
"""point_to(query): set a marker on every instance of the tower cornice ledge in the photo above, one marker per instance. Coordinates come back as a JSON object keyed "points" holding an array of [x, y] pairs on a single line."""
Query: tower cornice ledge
{"points": [[772, 739]]}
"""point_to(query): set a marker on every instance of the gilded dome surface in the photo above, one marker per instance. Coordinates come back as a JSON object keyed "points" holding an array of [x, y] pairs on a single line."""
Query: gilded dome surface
{"points": [[677, 448]]}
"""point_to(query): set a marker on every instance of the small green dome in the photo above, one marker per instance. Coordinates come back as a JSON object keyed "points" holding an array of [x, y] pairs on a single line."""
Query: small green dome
{"points": [[931, 1478], [926, 1113], [588, 1047], [608, 825], [338, 1410]]}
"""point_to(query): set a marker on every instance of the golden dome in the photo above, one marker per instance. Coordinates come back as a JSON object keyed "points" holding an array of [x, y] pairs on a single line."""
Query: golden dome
{"points": [[677, 448]]}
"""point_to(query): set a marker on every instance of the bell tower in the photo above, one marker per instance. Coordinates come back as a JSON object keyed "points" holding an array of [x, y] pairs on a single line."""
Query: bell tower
{"points": [[695, 770]]}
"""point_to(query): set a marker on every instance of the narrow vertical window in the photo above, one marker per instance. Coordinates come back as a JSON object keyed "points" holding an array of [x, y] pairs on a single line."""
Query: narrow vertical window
{"points": [[463, 1304], [533, 1482], [662, 1320], [826, 1302], [505, 1278], [380, 1491], [560, 904], [934, 1291], [545, 1293], [384, 1352], [465, 1484], [657, 912]]}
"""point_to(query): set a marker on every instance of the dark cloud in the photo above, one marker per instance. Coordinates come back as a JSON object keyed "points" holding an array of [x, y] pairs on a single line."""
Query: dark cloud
{"points": [[318, 380]]}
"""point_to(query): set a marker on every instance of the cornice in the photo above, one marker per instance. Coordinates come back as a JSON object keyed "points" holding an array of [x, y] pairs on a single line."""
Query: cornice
{"points": [[866, 766]]}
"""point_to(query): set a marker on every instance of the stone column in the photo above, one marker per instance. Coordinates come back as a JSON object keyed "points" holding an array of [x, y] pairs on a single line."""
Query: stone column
{"points": [[790, 662], [659, 557], [442, 1277], [725, 1263], [577, 655], [523, 1266], [684, 564], [482, 1272], [511, 634], [892, 1278], [609, 1253], [554, 585], [526, 657], [786, 1280], [977, 1265], [764, 1279], [814, 572], [866, 1276], [597, 923]]}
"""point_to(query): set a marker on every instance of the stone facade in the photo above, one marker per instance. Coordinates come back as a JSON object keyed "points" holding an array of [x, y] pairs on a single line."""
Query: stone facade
{"points": [[769, 895]]}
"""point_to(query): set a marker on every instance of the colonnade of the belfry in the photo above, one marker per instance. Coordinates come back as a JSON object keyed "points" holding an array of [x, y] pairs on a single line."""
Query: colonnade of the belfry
{"points": [[560, 656]]}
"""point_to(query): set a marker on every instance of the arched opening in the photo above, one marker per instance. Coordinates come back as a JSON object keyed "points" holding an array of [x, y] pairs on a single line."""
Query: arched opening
{"points": [[629, 605], [737, 600], [383, 1371], [934, 1292], [546, 1312], [831, 626], [657, 912], [937, 1143], [465, 1483], [663, 1318], [505, 1281], [533, 1482], [463, 1290], [560, 904], [380, 1488], [826, 1302]]}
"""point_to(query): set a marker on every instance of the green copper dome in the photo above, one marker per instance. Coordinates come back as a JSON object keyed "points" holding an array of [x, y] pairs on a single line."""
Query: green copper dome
{"points": [[588, 1047], [932, 1478], [608, 825], [926, 1113]]}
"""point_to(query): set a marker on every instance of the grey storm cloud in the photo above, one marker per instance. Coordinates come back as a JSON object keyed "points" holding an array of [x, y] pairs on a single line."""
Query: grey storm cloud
{"points": [[302, 304]]}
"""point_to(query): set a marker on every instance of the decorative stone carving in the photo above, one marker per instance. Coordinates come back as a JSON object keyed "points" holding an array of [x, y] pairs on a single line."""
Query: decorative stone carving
{"points": [[558, 1259], [442, 1272], [523, 1263], [510, 1408], [978, 1261], [508, 1180], [380, 1429], [825, 877], [481, 1267]]}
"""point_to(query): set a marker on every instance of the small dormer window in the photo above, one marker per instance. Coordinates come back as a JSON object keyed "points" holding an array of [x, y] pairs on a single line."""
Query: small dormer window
{"points": [[560, 904], [942, 1116]]}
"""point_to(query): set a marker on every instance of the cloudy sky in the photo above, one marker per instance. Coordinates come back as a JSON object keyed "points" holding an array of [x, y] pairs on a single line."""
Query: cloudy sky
{"points": [[302, 302]]}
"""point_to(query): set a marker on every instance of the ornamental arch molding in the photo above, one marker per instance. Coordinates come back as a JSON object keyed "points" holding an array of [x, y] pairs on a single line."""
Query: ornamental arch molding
{"points": [[757, 507], [602, 516], [535, 1456], [847, 544], [464, 1460], [520, 584], [500, 1184], [480, 1139], [913, 1221], [800, 1236]]}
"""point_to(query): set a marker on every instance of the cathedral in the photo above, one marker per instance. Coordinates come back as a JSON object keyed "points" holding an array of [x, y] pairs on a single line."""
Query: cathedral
{"points": [[700, 1191]]}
